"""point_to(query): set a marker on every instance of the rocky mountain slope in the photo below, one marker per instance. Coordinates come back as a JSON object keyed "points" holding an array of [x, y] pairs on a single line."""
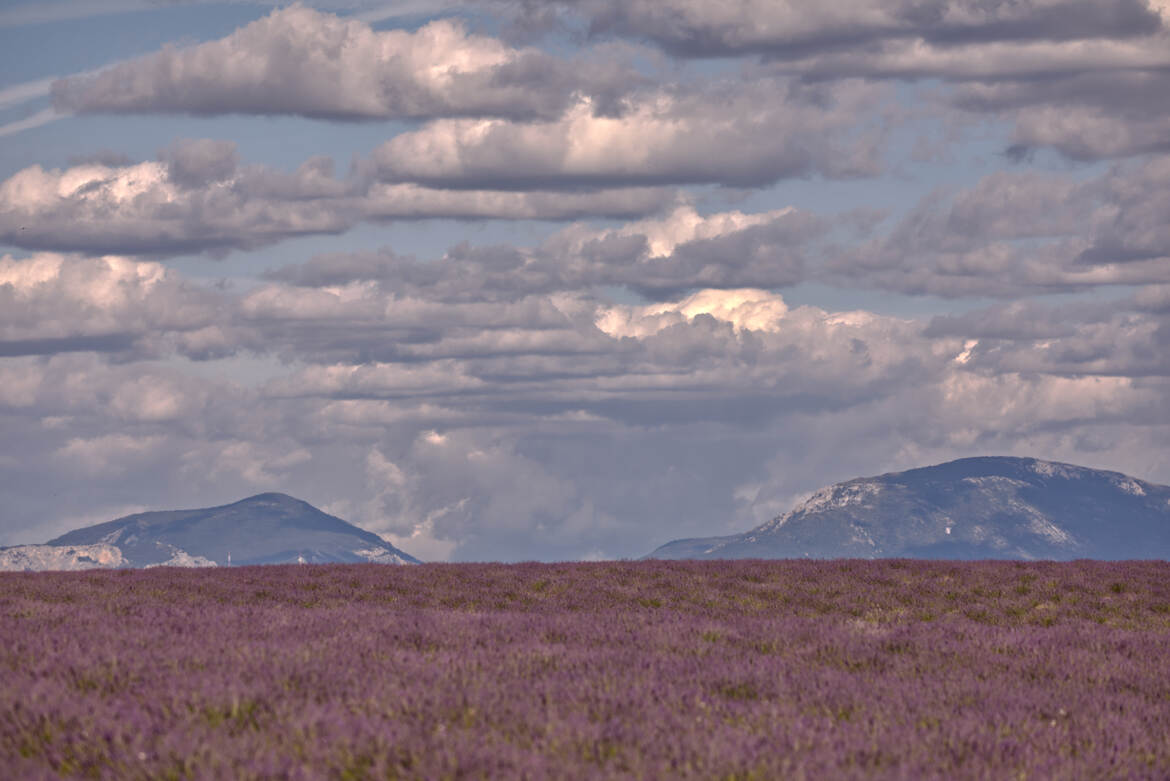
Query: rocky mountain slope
{"points": [[21, 558], [265, 529], [973, 508]]}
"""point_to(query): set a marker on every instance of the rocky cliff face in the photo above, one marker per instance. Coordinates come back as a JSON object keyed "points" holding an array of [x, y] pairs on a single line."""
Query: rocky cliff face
{"points": [[25, 558]]}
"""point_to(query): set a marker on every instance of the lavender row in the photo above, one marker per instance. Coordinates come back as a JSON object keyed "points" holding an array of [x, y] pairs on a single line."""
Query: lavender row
{"points": [[621, 670]]}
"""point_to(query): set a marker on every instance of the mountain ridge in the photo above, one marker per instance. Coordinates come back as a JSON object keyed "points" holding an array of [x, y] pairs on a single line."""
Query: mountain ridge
{"points": [[978, 507], [267, 528]]}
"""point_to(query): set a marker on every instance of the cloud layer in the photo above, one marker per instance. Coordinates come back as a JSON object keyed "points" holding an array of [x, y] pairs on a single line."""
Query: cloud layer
{"points": [[688, 28], [1085, 79], [197, 197], [472, 416], [1016, 234]]}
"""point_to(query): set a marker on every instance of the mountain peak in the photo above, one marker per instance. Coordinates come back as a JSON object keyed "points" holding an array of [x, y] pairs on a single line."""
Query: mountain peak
{"points": [[979, 507], [267, 528], [271, 498]]}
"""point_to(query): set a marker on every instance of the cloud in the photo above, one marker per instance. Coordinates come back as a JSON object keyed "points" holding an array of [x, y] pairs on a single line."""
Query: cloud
{"points": [[169, 206], [109, 454], [1012, 234], [739, 134], [16, 94], [42, 11], [1090, 98], [412, 201], [1018, 320], [198, 163], [1117, 339], [663, 235], [544, 424], [1021, 62], [36, 119], [665, 257], [483, 494], [575, 354], [1092, 95], [52, 303], [365, 340], [1018, 234], [1088, 115], [745, 310], [659, 257], [301, 61], [1155, 298], [687, 28], [1085, 79], [198, 197], [59, 10]]}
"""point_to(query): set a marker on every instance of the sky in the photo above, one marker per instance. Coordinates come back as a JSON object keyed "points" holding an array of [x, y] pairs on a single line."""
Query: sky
{"points": [[568, 279]]}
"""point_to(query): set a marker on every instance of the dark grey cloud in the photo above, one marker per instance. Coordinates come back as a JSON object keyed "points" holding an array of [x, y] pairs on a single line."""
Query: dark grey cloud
{"points": [[1020, 234], [1153, 298], [1096, 95], [1093, 98], [105, 343], [1132, 227], [309, 63], [692, 28], [1015, 321], [659, 258], [198, 163], [1085, 79], [664, 258], [1124, 339], [1126, 347], [1084, 116]]}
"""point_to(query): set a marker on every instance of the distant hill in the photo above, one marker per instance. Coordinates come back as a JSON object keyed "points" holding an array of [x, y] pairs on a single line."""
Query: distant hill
{"points": [[973, 508], [269, 528]]}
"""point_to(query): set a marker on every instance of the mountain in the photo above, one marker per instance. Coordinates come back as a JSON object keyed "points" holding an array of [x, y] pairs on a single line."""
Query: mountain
{"points": [[973, 508], [265, 529]]}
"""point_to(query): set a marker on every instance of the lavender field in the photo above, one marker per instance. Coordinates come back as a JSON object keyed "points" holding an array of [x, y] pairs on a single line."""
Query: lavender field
{"points": [[732, 670]]}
